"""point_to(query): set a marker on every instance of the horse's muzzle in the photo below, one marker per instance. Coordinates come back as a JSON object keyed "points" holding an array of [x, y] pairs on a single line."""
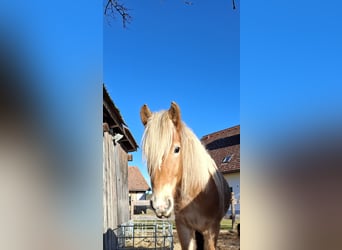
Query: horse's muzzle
{"points": [[162, 207]]}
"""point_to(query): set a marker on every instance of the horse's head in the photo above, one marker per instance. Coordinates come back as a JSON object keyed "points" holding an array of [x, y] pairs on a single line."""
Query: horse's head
{"points": [[162, 150]]}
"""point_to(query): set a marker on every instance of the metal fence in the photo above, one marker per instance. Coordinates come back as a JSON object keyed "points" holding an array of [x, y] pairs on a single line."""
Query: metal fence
{"points": [[144, 234]]}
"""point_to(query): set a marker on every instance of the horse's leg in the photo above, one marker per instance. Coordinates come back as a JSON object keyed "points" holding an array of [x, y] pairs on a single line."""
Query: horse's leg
{"points": [[216, 232], [199, 240], [186, 236], [210, 237]]}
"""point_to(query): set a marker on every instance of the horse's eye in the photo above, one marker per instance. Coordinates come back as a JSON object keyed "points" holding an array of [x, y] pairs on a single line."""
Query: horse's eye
{"points": [[177, 150]]}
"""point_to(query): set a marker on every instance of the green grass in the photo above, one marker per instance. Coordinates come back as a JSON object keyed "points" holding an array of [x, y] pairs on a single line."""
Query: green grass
{"points": [[226, 224]]}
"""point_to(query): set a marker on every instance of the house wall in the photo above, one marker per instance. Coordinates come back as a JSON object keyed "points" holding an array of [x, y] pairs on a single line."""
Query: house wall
{"points": [[234, 182], [141, 196], [138, 196]]}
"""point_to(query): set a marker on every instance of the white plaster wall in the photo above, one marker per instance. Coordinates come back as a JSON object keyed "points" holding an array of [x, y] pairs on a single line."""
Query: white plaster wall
{"points": [[234, 182], [141, 196], [138, 196]]}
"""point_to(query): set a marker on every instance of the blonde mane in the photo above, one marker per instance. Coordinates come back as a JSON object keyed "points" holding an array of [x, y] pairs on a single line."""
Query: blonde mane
{"points": [[198, 166]]}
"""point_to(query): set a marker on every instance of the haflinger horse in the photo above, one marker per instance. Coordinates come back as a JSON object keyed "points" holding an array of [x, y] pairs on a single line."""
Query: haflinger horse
{"points": [[184, 177]]}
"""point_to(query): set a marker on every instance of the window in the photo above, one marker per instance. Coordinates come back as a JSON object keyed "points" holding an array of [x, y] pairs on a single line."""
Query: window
{"points": [[227, 159]]}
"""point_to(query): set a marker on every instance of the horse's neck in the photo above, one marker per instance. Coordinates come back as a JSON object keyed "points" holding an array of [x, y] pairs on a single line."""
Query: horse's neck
{"points": [[183, 200]]}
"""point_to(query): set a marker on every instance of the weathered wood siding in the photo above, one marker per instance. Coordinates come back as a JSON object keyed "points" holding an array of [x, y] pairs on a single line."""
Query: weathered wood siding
{"points": [[115, 184]]}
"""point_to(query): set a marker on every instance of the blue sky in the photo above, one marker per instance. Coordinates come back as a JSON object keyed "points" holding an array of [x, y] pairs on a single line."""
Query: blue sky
{"points": [[175, 52]]}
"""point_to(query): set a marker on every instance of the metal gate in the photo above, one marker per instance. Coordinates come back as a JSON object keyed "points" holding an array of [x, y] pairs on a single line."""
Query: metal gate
{"points": [[144, 234]]}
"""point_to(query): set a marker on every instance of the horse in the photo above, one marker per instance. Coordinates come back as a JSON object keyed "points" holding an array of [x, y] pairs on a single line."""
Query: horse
{"points": [[184, 178]]}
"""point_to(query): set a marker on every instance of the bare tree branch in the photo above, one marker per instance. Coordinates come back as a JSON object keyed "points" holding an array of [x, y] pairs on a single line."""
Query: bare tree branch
{"points": [[113, 7], [116, 7]]}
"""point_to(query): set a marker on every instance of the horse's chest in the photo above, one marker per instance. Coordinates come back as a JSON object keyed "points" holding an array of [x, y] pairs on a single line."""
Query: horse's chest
{"points": [[197, 215]]}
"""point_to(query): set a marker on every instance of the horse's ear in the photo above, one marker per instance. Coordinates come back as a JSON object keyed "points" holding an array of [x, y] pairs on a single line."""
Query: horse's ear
{"points": [[175, 115], [145, 114]]}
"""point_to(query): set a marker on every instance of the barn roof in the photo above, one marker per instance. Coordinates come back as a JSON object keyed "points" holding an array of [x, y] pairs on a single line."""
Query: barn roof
{"points": [[224, 148], [113, 117], [136, 182]]}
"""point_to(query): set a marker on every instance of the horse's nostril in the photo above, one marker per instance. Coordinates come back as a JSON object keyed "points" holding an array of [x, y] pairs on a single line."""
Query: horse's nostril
{"points": [[169, 203], [153, 202]]}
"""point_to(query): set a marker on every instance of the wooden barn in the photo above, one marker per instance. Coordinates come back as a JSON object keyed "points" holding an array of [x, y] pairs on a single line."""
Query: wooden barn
{"points": [[117, 143], [224, 148]]}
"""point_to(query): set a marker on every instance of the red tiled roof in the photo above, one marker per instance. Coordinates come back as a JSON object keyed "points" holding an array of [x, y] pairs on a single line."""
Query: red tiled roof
{"points": [[136, 182], [224, 143]]}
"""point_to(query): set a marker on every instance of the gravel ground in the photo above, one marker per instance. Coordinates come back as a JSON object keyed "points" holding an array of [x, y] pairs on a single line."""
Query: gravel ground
{"points": [[228, 240]]}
